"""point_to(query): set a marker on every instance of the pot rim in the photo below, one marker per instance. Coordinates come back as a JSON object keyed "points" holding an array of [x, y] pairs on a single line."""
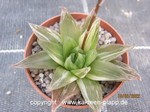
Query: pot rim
{"points": [[64, 105]]}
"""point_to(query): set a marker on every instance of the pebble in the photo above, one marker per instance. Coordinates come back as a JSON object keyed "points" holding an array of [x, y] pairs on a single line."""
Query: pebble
{"points": [[37, 83], [49, 94], [56, 25], [47, 73], [34, 43], [119, 58], [32, 74], [47, 82], [43, 85], [36, 49], [36, 78], [41, 80], [50, 75], [35, 71], [41, 75], [108, 35]]}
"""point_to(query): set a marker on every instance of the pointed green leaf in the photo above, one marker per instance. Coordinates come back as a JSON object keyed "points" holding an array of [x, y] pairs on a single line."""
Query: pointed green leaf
{"points": [[77, 49], [38, 60], [86, 22], [110, 52], [81, 73], [61, 78], [127, 69], [44, 33], [90, 57], [91, 91], [80, 60], [68, 26], [68, 45], [81, 39], [92, 38], [54, 50], [64, 94], [69, 62], [107, 71]]}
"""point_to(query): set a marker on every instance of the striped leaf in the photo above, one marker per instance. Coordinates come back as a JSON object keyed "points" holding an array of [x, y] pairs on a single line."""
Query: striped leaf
{"points": [[44, 33], [91, 91], [69, 62], [68, 26], [39, 60], [64, 94], [107, 71], [61, 78], [90, 56], [86, 22], [81, 73], [127, 69], [112, 51], [92, 38], [68, 45], [54, 50]]}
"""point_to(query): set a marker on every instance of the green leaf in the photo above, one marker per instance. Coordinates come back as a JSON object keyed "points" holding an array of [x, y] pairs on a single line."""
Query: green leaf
{"points": [[81, 39], [91, 91], [38, 60], [68, 45], [44, 33], [54, 50], [81, 73], [107, 71], [92, 38], [68, 26], [61, 78], [64, 94], [80, 60], [77, 49], [110, 52], [127, 69], [69, 62], [90, 57], [86, 22]]}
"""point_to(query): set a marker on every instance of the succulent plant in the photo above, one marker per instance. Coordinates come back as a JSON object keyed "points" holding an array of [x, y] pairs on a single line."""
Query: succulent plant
{"points": [[77, 68]]}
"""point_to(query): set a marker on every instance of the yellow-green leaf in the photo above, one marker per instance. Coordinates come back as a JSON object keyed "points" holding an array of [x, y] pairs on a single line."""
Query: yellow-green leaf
{"points": [[68, 45], [44, 33], [68, 26], [61, 78], [91, 91], [54, 50], [64, 94], [107, 71], [39, 60], [127, 69], [81, 73], [70, 62], [80, 60], [92, 38], [90, 56], [112, 51], [86, 22]]}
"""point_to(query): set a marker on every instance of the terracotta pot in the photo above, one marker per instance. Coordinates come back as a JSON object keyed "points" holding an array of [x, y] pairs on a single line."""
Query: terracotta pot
{"points": [[77, 16]]}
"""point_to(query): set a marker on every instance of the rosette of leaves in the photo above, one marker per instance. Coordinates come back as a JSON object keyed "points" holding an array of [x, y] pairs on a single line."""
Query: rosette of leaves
{"points": [[77, 69]]}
